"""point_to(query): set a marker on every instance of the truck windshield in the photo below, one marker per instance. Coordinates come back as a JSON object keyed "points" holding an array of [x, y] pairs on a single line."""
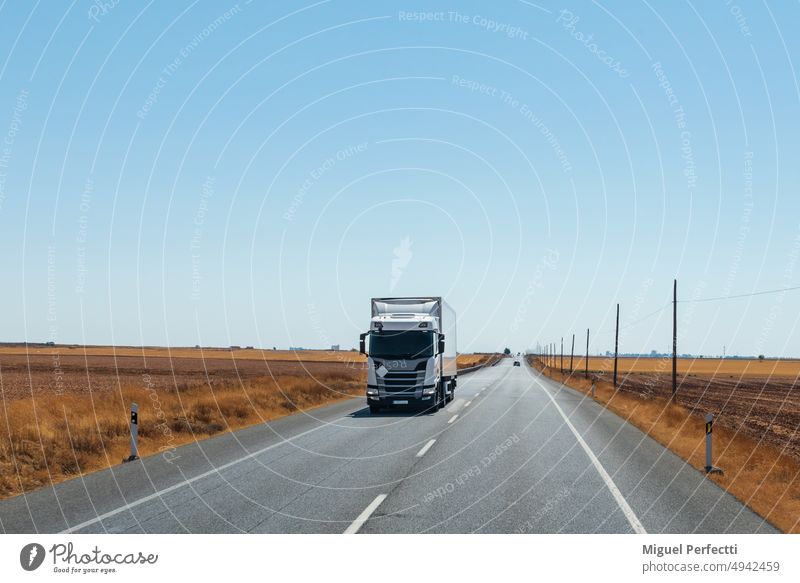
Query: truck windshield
{"points": [[405, 344]]}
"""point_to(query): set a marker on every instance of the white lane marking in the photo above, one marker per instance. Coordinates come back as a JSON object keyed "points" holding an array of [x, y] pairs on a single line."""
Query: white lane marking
{"points": [[425, 448], [453, 418], [364, 516], [623, 504], [467, 404], [160, 493]]}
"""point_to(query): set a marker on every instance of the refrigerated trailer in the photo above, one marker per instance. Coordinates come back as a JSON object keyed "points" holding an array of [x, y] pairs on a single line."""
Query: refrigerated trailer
{"points": [[411, 360]]}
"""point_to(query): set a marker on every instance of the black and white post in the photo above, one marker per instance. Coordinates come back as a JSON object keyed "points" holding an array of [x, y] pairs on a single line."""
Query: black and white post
{"points": [[134, 433], [710, 469]]}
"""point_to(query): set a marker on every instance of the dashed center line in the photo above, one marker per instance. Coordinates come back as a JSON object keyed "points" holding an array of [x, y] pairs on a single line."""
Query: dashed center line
{"points": [[467, 404], [453, 418], [425, 448], [364, 516]]}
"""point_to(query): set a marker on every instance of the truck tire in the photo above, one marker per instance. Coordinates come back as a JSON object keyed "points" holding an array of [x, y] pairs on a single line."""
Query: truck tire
{"points": [[435, 404], [442, 401]]}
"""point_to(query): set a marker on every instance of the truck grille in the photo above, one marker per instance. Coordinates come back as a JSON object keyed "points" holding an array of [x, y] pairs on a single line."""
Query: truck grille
{"points": [[402, 381]]}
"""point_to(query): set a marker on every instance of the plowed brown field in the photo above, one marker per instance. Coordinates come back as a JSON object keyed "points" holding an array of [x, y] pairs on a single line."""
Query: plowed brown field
{"points": [[759, 398]]}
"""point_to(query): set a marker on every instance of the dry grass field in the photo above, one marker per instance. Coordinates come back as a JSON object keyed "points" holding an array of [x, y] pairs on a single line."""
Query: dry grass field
{"points": [[468, 360], [235, 353], [755, 427], [65, 410], [786, 368], [759, 398]]}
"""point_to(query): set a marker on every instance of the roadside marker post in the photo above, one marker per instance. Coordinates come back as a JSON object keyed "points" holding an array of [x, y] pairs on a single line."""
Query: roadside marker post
{"points": [[710, 469], [593, 391], [134, 433]]}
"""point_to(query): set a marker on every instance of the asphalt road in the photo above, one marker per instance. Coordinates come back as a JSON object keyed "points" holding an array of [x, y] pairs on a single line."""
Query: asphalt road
{"points": [[515, 452]]}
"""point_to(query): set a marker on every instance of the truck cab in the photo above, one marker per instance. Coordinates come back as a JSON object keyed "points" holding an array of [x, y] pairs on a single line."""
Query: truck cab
{"points": [[409, 360]]}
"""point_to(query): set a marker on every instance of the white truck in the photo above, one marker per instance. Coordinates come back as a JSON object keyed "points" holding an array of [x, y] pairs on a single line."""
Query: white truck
{"points": [[412, 353]]}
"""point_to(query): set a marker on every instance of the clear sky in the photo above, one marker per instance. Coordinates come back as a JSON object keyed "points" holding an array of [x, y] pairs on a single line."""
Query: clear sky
{"points": [[252, 173]]}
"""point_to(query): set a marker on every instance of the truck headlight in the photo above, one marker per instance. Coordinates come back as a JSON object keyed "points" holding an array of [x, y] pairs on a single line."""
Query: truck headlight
{"points": [[430, 391], [372, 392]]}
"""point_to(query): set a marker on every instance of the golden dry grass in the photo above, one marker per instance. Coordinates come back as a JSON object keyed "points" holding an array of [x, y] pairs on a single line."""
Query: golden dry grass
{"points": [[467, 360], [52, 432], [760, 475], [789, 368], [185, 352], [347, 356], [464, 360], [50, 438]]}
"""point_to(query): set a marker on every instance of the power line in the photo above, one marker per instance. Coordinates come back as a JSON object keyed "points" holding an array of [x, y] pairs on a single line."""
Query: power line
{"points": [[760, 293], [642, 319], [718, 298], [646, 316]]}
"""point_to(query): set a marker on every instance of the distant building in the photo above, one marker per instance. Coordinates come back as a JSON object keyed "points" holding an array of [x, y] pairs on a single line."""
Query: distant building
{"points": [[296, 348], [335, 347]]}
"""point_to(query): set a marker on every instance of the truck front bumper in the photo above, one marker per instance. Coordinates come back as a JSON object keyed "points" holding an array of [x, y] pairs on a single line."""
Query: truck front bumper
{"points": [[400, 401], [382, 398]]}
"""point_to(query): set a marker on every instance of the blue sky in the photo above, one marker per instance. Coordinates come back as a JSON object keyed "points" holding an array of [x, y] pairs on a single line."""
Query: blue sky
{"points": [[233, 173]]}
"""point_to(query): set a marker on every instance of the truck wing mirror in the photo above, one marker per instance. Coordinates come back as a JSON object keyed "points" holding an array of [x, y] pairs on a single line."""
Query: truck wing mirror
{"points": [[362, 343], [441, 343]]}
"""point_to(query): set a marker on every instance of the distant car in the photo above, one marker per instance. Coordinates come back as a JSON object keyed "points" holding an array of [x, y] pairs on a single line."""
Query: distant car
{"points": [[516, 363]]}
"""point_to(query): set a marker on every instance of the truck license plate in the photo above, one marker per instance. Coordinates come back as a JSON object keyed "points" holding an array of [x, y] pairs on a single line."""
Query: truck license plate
{"points": [[400, 402]]}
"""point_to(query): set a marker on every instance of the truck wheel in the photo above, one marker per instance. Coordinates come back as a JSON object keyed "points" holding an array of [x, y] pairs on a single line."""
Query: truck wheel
{"points": [[442, 397], [435, 403], [374, 409]]}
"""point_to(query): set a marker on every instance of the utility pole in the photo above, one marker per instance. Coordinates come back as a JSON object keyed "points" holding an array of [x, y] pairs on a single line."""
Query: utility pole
{"points": [[572, 354], [616, 348], [586, 364], [562, 355], [674, 338]]}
